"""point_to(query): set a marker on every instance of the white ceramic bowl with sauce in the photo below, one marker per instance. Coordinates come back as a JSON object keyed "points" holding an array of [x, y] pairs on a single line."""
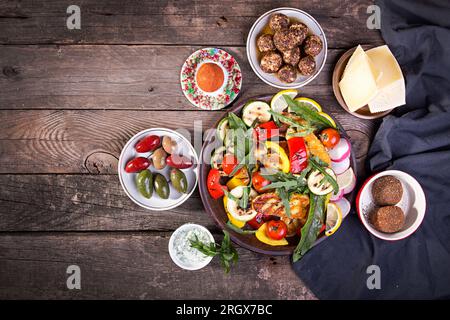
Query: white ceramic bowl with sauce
{"points": [[253, 53], [413, 204], [180, 251], [128, 180]]}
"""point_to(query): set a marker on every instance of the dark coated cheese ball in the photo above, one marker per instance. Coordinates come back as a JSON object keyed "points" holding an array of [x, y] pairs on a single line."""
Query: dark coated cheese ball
{"points": [[265, 43], [313, 45], [300, 30], [307, 66], [278, 21], [287, 73], [285, 40], [292, 56], [388, 219], [387, 191], [271, 62]]}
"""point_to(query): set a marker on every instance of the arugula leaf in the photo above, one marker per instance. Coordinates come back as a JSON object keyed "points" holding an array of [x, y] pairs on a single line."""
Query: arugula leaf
{"points": [[310, 230], [238, 230], [291, 122], [306, 113], [231, 197], [227, 253], [235, 122], [285, 200], [316, 164], [243, 203]]}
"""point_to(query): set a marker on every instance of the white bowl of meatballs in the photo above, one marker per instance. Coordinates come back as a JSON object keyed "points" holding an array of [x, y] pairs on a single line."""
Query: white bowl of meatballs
{"points": [[286, 48]]}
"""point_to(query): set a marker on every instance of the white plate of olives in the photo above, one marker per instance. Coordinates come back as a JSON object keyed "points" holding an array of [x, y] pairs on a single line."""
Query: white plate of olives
{"points": [[158, 169]]}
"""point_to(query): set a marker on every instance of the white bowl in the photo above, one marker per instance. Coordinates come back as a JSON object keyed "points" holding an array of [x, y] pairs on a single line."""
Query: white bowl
{"points": [[413, 204], [173, 255], [128, 180], [252, 51]]}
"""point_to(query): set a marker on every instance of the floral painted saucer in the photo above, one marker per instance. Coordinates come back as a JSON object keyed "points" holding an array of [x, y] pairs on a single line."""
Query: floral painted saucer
{"points": [[228, 91]]}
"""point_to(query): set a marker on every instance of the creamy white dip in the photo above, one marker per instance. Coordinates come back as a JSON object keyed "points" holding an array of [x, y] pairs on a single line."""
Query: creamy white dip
{"points": [[180, 248]]}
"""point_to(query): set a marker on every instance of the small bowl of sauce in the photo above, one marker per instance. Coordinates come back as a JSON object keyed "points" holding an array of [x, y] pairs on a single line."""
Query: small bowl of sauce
{"points": [[210, 77], [180, 250]]}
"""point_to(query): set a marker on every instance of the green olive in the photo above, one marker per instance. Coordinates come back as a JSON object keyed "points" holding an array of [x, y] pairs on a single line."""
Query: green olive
{"points": [[144, 183], [161, 186], [178, 179]]}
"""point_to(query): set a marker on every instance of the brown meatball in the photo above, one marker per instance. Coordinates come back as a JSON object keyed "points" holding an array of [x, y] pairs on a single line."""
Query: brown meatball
{"points": [[307, 66], [292, 56], [287, 73], [300, 30], [265, 43], [271, 62], [387, 219], [299, 26], [312, 45], [387, 191], [278, 21], [285, 40]]}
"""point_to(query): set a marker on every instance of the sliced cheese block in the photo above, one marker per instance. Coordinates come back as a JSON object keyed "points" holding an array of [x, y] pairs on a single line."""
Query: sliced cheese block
{"points": [[391, 83], [358, 85], [358, 53]]}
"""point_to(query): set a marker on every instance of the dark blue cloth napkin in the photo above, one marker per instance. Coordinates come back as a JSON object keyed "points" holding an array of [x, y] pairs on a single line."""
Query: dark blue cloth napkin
{"points": [[416, 140]]}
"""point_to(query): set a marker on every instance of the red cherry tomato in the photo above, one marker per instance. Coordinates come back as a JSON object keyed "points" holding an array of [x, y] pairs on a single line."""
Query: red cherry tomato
{"points": [[229, 163], [148, 144], [276, 229], [215, 189], [137, 164], [179, 162], [330, 137], [259, 182]]}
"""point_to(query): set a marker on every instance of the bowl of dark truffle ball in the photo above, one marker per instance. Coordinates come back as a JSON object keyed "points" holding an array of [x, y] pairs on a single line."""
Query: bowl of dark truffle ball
{"points": [[391, 205], [286, 48]]}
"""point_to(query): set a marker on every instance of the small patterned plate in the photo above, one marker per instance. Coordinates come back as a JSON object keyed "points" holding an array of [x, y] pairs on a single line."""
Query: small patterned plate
{"points": [[225, 94]]}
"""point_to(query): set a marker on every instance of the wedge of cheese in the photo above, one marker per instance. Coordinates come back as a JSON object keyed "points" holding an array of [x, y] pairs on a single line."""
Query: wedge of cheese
{"points": [[359, 82], [391, 84]]}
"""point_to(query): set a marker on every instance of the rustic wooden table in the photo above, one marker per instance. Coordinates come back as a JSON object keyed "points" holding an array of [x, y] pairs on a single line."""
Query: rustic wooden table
{"points": [[70, 99]]}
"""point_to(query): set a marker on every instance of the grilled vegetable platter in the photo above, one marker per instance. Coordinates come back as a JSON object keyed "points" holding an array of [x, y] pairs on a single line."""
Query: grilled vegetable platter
{"points": [[278, 174]]}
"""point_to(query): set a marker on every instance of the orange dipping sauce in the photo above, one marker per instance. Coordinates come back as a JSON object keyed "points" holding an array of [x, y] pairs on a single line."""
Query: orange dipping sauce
{"points": [[210, 77]]}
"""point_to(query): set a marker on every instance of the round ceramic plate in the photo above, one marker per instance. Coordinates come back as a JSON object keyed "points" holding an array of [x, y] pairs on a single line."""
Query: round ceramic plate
{"points": [[225, 94], [128, 180], [413, 204], [253, 56], [215, 207]]}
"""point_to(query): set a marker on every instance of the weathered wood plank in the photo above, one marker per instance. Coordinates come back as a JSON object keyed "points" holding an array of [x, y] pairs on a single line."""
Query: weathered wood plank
{"points": [[117, 77], [47, 141], [84, 203], [170, 22], [133, 266]]}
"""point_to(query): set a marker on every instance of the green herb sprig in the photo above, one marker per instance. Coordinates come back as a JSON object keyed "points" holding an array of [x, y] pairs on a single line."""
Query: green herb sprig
{"points": [[226, 252]]}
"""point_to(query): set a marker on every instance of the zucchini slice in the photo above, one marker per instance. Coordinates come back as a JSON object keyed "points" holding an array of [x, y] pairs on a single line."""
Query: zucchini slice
{"points": [[217, 158], [222, 128], [256, 111]]}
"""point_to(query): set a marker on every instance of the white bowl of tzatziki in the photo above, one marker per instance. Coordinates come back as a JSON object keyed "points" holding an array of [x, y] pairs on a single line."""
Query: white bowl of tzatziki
{"points": [[180, 250]]}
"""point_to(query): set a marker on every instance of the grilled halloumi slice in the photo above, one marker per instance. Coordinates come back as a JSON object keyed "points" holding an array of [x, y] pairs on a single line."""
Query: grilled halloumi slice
{"points": [[270, 204]]}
